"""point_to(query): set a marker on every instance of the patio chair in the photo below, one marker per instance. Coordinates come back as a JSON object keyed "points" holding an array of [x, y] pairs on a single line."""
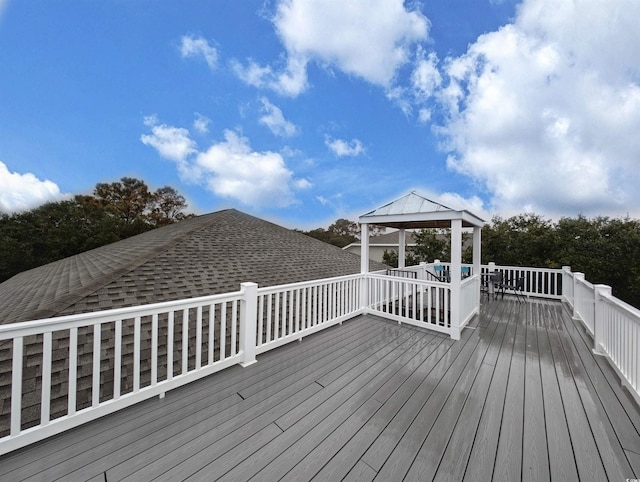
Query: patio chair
{"points": [[495, 279], [516, 286], [441, 273], [485, 281]]}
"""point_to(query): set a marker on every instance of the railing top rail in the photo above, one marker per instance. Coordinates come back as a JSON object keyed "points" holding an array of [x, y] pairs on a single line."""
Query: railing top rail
{"points": [[583, 281], [525, 268], [618, 303], [408, 280], [305, 284], [469, 279], [26, 328]]}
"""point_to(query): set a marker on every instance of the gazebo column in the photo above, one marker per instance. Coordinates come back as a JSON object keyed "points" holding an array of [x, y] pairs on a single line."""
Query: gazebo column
{"points": [[455, 274], [477, 251], [401, 248], [364, 265], [364, 248]]}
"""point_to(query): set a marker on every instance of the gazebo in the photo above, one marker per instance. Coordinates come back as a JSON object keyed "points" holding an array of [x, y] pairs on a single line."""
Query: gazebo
{"points": [[414, 211]]}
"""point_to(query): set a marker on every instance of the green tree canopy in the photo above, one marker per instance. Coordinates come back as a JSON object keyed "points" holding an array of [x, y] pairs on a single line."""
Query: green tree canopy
{"points": [[342, 232], [60, 229]]}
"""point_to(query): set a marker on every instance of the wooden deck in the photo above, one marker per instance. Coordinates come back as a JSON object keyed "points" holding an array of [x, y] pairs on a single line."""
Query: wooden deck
{"points": [[520, 396]]}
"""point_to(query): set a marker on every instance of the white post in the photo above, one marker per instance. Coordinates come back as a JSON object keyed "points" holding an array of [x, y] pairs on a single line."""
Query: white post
{"points": [[491, 288], [566, 280], [455, 276], [477, 249], [248, 322], [423, 267], [364, 248], [364, 265], [401, 248], [598, 318], [576, 277]]}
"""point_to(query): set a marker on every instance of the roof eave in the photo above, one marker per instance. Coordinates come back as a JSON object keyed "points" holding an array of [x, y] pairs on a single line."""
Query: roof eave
{"points": [[437, 219]]}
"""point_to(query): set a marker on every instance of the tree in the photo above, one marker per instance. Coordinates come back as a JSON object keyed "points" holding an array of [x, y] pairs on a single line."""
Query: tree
{"points": [[431, 244], [390, 258], [523, 240], [345, 229], [129, 198], [130, 201], [51, 232], [606, 250], [166, 206], [60, 229], [341, 233]]}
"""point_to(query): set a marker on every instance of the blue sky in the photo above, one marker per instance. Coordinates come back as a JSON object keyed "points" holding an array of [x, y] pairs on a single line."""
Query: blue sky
{"points": [[305, 111]]}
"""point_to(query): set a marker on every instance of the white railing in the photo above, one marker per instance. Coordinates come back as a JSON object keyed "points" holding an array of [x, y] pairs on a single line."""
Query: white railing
{"points": [[613, 324], [105, 361], [81, 367], [469, 299], [412, 301], [567, 284], [289, 312], [584, 301], [538, 282], [617, 336]]}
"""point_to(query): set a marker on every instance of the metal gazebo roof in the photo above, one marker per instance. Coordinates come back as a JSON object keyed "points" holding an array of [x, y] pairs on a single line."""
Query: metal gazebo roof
{"points": [[415, 211]]}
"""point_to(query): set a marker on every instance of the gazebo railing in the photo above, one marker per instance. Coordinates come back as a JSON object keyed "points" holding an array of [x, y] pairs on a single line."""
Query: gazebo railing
{"points": [[538, 282], [413, 301]]}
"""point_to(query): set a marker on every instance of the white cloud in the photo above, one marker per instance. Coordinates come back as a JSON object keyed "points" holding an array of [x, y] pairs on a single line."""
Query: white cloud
{"points": [[194, 47], [472, 204], [302, 184], [201, 124], [229, 168], [22, 192], [342, 148], [172, 143], [275, 121], [545, 112], [291, 81], [368, 39], [426, 78]]}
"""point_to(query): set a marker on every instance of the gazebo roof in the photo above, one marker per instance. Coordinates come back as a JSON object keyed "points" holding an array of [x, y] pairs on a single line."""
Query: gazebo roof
{"points": [[413, 211]]}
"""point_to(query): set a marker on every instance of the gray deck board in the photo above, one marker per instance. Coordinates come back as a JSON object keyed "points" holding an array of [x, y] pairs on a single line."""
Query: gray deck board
{"points": [[189, 448], [458, 451], [584, 446], [379, 452], [562, 464], [446, 398], [483, 453], [611, 452], [520, 396], [508, 465], [535, 457], [301, 436], [615, 400]]}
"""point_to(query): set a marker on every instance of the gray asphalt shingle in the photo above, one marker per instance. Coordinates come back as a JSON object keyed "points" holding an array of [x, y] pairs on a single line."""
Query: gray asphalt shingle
{"points": [[208, 254]]}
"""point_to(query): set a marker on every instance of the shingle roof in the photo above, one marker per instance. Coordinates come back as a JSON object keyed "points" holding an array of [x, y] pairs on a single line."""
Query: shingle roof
{"points": [[200, 256]]}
